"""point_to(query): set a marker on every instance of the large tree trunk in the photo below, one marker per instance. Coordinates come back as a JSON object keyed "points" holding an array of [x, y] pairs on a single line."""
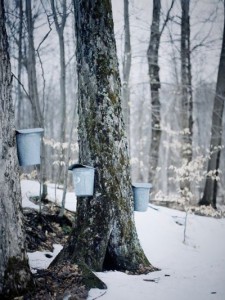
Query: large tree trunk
{"points": [[105, 236], [153, 53], [15, 275], [211, 185], [186, 93]]}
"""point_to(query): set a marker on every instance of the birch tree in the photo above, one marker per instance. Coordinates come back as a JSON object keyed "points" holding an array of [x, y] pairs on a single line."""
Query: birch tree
{"points": [[15, 275], [105, 236]]}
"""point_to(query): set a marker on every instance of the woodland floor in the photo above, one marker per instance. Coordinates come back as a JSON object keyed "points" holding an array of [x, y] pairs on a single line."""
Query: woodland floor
{"points": [[42, 231], [46, 229]]}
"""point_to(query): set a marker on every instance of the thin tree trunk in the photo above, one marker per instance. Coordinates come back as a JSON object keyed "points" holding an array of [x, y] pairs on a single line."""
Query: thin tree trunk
{"points": [[31, 68], [152, 54], [33, 92], [126, 71], [60, 31], [211, 185], [20, 31], [186, 92], [15, 275], [65, 179], [105, 236]]}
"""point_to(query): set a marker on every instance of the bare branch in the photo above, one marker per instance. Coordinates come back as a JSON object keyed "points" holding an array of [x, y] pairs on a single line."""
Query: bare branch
{"points": [[167, 17]]}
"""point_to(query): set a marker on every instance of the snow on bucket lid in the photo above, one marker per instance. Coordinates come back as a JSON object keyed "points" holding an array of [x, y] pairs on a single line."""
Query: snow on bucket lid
{"points": [[30, 130], [75, 166], [142, 185]]}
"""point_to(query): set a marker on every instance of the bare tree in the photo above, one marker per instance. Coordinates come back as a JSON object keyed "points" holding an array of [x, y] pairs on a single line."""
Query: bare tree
{"points": [[33, 90], [60, 25], [15, 275], [126, 70], [153, 64], [20, 56], [186, 92], [105, 236], [211, 185], [31, 69]]}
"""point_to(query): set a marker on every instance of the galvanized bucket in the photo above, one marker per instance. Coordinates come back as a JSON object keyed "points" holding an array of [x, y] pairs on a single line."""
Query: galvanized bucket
{"points": [[83, 179], [29, 146], [141, 196]]}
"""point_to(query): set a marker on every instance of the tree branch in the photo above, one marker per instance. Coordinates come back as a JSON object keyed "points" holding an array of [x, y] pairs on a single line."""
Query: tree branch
{"points": [[167, 17]]}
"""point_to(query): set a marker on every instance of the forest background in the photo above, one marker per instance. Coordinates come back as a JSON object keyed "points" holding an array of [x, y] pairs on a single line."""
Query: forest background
{"points": [[42, 50]]}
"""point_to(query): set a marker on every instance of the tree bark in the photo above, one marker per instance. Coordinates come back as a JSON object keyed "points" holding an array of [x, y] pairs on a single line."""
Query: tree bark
{"points": [[105, 236], [15, 275], [186, 92], [152, 54], [211, 185]]}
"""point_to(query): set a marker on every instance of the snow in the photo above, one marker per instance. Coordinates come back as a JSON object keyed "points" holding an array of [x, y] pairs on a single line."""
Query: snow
{"points": [[32, 188], [191, 270], [38, 259]]}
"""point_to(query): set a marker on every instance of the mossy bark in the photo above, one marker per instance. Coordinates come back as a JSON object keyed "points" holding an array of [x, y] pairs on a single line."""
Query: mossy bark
{"points": [[105, 236], [15, 275]]}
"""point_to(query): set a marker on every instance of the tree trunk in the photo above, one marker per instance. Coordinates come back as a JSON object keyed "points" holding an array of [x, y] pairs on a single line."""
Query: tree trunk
{"points": [[60, 31], [126, 71], [211, 185], [31, 69], [15, 275], [105, 236], [20, 95], [33, 92], [186, 92], [153, 53]]}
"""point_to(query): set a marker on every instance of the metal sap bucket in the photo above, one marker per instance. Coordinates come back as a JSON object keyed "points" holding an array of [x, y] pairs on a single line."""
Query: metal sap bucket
{"points": [[29, 146], [83, 179], [141, 196]]}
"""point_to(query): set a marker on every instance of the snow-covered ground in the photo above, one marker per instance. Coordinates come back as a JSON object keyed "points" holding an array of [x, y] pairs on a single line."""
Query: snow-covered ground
{"points": [[194, 270]]}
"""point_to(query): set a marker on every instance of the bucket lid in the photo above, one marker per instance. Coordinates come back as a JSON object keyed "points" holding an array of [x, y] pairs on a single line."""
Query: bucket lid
{"points": [[30, 130], [76, 166], [144, 185]]}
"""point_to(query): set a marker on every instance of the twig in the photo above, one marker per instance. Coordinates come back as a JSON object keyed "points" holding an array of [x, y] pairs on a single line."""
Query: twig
{"points": [[153, 207], [167, 17], [100, 295], [185, 226], [28, 96]]}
